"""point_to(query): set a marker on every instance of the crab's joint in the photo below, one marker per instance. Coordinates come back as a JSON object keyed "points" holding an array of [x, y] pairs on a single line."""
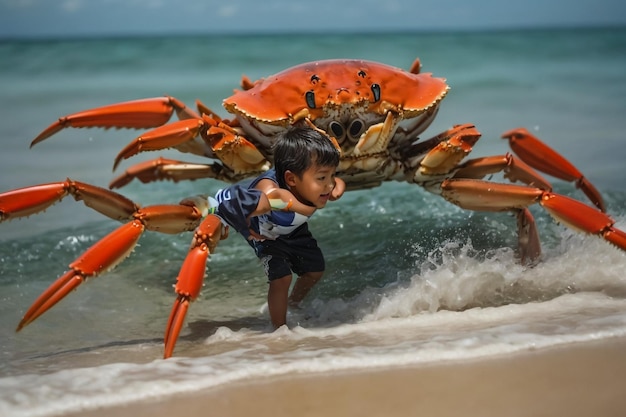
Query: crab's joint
{"points": [[278, 204]]}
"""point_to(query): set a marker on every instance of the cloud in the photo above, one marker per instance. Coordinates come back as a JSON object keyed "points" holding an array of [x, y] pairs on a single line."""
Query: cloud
{"points": [[227, 10], [34, 18], [72, 6], [148, 4], [18, 4]]}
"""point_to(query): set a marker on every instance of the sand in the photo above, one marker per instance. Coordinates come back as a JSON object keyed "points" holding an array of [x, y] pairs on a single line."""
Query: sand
{"points": [[585, 379]]}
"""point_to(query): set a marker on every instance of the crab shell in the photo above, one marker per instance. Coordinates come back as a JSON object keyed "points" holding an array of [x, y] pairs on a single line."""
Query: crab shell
{"points": [[336, 90]]}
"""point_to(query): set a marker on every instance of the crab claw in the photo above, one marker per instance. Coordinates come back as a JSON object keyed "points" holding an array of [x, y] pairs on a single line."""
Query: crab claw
{"points": [[453, 145], [168, 136], [540, 156], [235, 151], [191, 276], [101, 257], [136, 114]]}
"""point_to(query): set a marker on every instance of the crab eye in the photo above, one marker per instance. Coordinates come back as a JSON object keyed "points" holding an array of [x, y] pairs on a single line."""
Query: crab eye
{"points": [[376, 91], [355, 129], [361, 74], [315, 78], [310, 99], [337, 130]]}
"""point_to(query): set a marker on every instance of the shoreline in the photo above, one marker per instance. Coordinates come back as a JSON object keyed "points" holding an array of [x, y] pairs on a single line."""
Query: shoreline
{"points": [[579, 379]]}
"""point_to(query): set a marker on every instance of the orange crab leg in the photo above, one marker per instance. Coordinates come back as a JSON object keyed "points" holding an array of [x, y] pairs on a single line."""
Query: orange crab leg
{"points": [[540, 156], [481, 195], [29, 200], [164, 169], [168, 136], [113, 249], [514, 169], [453, 145], [527, 236], [26, 201], [583, 218], [188, 287], [102, 256], [487, 196], [136, 114], [204, 110], [239, 154], [191, 276]]}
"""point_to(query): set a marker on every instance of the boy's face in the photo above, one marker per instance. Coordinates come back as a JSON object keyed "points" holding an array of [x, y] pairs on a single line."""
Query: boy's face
{"points": [[315, 185]]}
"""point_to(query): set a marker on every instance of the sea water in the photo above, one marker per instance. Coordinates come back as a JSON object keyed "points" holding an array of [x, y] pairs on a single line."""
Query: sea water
{"points": [[410, 279]]}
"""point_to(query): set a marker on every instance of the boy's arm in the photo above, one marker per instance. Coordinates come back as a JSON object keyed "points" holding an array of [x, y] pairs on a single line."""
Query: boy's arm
{"points": [[274, 198], [237, 204]]}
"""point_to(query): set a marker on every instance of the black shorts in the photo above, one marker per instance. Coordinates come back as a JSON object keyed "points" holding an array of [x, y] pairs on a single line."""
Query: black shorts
{"points": [[297, 252]]}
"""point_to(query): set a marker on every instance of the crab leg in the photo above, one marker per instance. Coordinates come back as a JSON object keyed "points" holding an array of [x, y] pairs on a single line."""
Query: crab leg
{"points": [[191, 276], [528, 242], [136, 114], [444, 151], [236, 152], [101, 257], [29, 200], [107, 253], [166, 218], [487, 196], [514, 169], [540, 156], [167, 169], [583, 218], [168, 136], [377, 137]]}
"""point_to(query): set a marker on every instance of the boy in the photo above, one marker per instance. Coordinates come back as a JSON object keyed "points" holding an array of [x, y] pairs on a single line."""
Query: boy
{"points": [[302, 181]]}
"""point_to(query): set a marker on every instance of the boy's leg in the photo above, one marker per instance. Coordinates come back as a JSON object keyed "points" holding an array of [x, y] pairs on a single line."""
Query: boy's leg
{"points": [[277, 295], [303, 285]]}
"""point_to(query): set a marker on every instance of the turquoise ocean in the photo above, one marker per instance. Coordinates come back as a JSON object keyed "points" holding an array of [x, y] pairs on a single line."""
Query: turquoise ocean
{"points": [[410, 279]]}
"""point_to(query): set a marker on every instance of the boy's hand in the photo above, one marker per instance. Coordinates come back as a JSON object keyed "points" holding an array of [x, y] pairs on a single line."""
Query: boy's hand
{"points": [[340, 188], [255, 236]]}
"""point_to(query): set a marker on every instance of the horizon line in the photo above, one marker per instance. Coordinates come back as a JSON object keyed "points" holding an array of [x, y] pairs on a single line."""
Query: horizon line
{"points": [[271, 32]]}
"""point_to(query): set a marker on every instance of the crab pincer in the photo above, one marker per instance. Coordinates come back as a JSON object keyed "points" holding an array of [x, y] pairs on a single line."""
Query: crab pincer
{"points": [[542, 157]]}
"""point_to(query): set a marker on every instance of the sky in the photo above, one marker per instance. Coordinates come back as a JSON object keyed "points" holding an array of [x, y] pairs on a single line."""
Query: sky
{"points": [[79, 18]]}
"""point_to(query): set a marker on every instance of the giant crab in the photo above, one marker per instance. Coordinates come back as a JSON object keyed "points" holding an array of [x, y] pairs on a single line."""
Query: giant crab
{"points": [[374, 111]]}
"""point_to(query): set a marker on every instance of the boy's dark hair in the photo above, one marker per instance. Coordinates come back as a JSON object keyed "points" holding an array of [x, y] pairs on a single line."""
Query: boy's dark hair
{"points": [[301, 147]]}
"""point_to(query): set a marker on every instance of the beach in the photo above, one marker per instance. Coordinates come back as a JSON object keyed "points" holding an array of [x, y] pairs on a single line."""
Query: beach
{"points": [[575, 380], [424, 308]]}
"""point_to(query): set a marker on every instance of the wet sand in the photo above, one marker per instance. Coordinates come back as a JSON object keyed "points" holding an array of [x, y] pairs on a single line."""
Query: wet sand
{"points": [[587, 379]]}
